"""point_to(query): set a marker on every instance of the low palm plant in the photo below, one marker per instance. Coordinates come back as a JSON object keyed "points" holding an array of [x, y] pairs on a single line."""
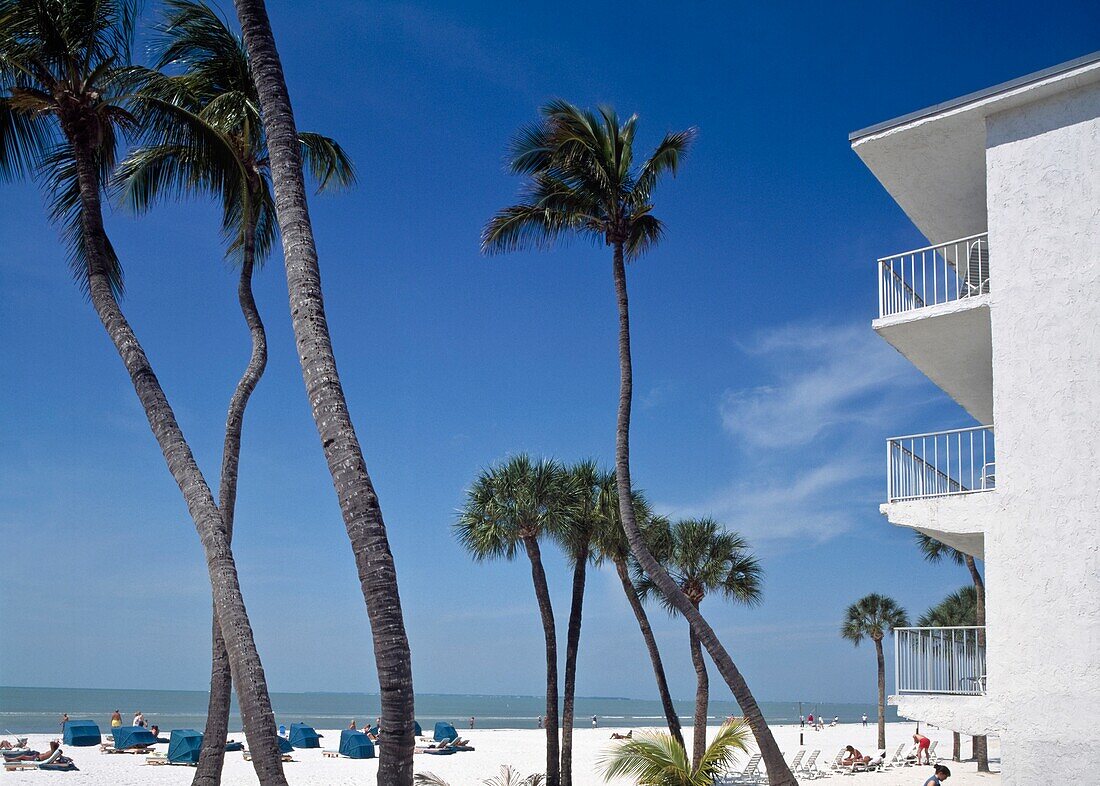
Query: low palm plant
{"points": [[508, 777], [660, 760], [703, 558], [872, 617]]}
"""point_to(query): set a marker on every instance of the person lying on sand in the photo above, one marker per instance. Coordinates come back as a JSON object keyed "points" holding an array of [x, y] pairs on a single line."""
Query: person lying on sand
{"points": [[54, 745], [628, 736]]}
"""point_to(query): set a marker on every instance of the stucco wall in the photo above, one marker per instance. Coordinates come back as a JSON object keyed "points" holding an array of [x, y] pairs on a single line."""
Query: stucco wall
{"points": [[1043, 549]]}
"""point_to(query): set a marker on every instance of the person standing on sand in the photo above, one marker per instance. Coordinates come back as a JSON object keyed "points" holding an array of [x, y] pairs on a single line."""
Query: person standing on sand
{"points": [[922, 743], [802, 722], [539, 722], [594, 722], [941, 774], [139, 719], [64, 719], [472, 719], [865, 719], [116, 719]]}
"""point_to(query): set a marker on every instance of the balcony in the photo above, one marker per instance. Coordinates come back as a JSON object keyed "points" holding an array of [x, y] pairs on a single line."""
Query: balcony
{"points": [[934, 275], [948, 661], [940, 464], [934, 310]]}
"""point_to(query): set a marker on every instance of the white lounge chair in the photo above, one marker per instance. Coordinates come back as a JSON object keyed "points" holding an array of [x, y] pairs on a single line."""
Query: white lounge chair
{"points": [[896, 760], [809, 768], [12, 766], [746, 776], [797, 760]]}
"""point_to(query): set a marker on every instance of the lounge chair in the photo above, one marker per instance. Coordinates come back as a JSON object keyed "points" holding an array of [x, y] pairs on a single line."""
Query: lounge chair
{"points": [[808, 769], [897, 760], [248, 756], [835, 764], [747, 775], [933, 757], [796, 762], [55, 761]]}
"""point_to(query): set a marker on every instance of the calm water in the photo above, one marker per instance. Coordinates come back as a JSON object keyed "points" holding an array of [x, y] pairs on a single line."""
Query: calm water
{"points": [[36, 710]]}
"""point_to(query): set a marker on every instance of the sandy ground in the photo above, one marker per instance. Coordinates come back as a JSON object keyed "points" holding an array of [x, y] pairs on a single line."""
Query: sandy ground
{"points": [[522, 748]]}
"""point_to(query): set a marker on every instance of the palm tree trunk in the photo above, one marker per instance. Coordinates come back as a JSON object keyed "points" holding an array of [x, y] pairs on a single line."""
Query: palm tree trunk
{"points": [[881, 694], [212, 757], [358, 501], [248, 673], [671, 717], [956, 746], [979, 744], [779, 774], [572, 645], [546, 612], [702, 700]]}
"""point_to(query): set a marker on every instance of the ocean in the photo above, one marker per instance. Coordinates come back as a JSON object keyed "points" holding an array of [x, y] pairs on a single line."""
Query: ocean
{"points": [[37, 710]]}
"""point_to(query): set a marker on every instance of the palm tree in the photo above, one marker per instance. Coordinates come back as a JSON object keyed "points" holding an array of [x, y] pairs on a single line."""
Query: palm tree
{"points": [[703, 559], [359, 504], [873, 616], [956, 610], [205, 137], [65, 77], [581, 179], [511, 506], [935, 551], [659, 760], [576, 536], [611, 545], [508, 777]]}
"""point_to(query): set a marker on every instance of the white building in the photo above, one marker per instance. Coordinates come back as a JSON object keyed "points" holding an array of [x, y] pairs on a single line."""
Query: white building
{"points": [[1002, 311]]}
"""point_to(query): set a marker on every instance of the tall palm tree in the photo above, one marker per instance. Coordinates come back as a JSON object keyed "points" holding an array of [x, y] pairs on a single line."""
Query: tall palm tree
{"points": [[703, 559], [872, 617], [581, 179], [65, 77], [588, 485], [359, 504], [660, 760], [513, 506], [956, 610], [611, 545], [935, 551], [205, 137]]}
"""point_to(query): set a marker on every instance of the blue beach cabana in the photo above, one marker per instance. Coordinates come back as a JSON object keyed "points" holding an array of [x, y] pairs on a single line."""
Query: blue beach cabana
{"points": [[303, 736], [81, 733], [285, 746], [133, 737], [184, 746], [356, 745], [444, 731]]}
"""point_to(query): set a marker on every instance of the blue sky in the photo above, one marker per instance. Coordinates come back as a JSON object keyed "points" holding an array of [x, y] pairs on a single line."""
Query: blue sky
{"points": [[763, 397]]}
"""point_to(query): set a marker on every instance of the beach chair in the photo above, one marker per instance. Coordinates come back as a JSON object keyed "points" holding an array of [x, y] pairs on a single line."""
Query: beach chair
{"points": [[896, 760], [808, 769], [933, 757], [796, 762], [13, 766], [746, 776], [157, 759], [286, 757], [835, 765]]}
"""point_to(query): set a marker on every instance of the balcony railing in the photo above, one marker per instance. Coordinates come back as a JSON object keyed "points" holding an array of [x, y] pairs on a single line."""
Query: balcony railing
{"points": [[941, 463], [940, 660], [933, 275]]}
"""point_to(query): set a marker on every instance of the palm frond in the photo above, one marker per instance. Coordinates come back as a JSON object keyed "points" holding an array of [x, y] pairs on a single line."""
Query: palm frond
{"points": [[326, 160]]}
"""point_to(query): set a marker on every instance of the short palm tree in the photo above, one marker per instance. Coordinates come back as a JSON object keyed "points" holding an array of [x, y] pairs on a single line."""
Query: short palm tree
{"points": [[611, 546], [510, 507], [508, 777], [65, 98], [703, 558], [872, 617], [576, 536], [359, 505], [935, 551], [204, 137], [660, 760], [581, 179], [956, 610]]}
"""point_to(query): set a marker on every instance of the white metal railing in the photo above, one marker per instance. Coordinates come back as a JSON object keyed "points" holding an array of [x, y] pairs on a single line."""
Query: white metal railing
{"points": [[940, 660], [940, 463], [933, 275]]}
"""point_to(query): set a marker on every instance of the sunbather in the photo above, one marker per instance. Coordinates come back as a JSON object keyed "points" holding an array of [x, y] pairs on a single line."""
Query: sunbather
{"points": [[854, 757], [35, 756], [628, 736]]}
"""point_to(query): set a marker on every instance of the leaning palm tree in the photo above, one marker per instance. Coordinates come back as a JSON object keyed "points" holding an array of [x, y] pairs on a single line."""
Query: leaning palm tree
{"points": [[513, 506], [588, 485], [703, 559], [581, 179], [358, 499], [204, 137], [873, 616], [956, 610], [935, 551], [65, 81], [660, 760], [611, 545]]}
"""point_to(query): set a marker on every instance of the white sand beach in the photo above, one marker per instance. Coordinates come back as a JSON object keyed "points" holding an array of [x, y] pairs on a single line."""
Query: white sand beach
{"points": [[521, 748]]}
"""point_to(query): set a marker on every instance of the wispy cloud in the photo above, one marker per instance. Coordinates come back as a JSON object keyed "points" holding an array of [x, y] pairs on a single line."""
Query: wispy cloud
{"points": [[808, 470]]}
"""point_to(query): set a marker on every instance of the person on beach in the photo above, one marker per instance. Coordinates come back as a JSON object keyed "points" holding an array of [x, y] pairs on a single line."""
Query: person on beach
{"points": [[139, 719], [865, 719], [54, 746], [472, 719], [801, 721], [594, 722], [352, 724], [116, 719], [940, 775], [853, 757], [539, 722], [922, 744], [64, 719], [836, 720], [628, 736]]}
